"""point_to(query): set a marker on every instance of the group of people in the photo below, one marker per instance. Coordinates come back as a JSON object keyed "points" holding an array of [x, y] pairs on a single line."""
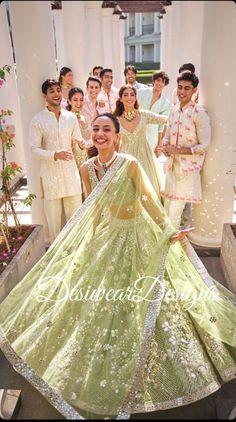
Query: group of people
{"points": [[150, 126], [120, 316]]}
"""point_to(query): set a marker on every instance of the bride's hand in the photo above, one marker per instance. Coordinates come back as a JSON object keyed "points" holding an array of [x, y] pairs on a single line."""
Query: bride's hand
{"points": [[181, 234]]}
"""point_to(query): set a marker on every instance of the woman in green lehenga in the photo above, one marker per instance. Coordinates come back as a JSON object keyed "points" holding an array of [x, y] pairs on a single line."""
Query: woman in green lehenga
{"points": [[119, 316], [134, 139]]}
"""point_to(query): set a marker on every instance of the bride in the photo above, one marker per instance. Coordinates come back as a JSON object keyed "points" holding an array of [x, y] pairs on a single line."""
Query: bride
{"points": [[119, 317]]}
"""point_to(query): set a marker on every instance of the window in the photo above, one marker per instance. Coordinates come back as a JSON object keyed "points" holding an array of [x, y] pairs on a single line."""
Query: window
{"points": [[148, 53]]}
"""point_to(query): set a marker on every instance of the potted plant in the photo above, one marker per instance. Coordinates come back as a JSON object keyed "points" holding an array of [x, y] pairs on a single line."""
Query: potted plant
{"points": [[20, 245]]}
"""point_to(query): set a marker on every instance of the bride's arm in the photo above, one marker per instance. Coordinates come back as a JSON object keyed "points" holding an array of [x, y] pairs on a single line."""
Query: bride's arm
{"points": [[151, 203]]}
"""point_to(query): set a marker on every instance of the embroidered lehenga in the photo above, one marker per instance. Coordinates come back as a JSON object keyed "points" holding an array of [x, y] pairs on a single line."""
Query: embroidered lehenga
{"points": [[136, 143], [140, 347]]}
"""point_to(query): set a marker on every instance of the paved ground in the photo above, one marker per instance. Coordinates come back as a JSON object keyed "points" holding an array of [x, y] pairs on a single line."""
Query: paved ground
{"points": [[34, 406]]}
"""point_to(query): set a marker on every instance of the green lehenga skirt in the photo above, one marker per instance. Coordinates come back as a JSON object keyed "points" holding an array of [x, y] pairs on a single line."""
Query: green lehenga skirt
{"points": [[106, 321]]}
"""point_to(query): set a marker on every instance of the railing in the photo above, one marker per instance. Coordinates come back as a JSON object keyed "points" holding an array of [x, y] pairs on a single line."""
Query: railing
{"points": [[147, 29]]}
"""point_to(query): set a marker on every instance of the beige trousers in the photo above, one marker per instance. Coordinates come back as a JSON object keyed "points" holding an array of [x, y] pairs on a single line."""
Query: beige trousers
{"points": [[54, 212]]}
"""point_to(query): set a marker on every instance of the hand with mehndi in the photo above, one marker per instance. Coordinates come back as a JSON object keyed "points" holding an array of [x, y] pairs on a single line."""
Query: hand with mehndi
{"points": [[180, 234]]}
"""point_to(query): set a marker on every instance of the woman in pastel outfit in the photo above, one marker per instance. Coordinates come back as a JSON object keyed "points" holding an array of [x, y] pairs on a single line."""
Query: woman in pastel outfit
{"points": [[133, 132], [106, 322]]}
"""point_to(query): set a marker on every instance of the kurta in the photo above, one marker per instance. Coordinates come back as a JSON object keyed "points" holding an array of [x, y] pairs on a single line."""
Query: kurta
{"points": [[48, 135]]}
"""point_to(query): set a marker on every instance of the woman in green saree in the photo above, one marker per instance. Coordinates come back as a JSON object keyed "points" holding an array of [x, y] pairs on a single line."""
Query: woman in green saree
{"points": [[118, 317]]}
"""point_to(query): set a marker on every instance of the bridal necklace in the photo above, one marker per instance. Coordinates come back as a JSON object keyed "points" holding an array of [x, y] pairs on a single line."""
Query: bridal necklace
{"points": [[129, 115], [106, 164]]}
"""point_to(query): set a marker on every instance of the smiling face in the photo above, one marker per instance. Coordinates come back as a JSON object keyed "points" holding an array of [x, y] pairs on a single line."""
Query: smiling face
{"points": [[185, 90], [104, 134], [53, 96], [76, 102], [93, 89], [107, 80], [130, 77], [158, 84], [128, 98]]}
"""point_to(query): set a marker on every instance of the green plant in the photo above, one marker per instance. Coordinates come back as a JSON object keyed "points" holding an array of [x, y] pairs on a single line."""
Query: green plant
{"points": [[9, 171]]}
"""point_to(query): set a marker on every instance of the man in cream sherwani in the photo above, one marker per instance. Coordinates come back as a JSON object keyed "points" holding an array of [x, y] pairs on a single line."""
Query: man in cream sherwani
{"points": [[186, 140], [52, 133]]}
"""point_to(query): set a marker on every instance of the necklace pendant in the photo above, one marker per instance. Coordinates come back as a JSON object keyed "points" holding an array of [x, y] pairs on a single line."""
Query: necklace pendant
{"points": [[102, 171]]}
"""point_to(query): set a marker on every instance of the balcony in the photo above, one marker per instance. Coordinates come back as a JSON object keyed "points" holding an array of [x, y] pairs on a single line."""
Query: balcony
{"points": [[148, 29]]}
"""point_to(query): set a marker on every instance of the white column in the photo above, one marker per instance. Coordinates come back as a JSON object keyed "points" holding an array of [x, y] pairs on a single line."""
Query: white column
{"points": [[122, 52], [182, 21], [138, 53], [35, 62], [94, 39], [75, 33], [118, 50], [127, 26], [9, 93], [218, 87], [156, 23], [127, 56], [138, 23], [156, 52], [59, 37], [107, 37]]}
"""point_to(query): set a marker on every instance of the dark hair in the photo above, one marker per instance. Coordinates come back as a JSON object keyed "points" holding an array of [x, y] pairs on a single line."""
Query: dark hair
{"points": [[97, 67], [111, 116], [188, 76], [64, 70], [187, 66], [161, 75], [48, 84], [71, 93], [130, 67], [103, 71], [93, 79], [119, 105]]}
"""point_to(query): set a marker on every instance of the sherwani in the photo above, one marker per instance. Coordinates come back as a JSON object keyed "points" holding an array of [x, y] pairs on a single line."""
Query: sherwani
{"points": [[59, 179], [187, 127]]}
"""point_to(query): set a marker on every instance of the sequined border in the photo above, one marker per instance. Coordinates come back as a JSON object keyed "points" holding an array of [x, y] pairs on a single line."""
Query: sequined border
{"points": [[30, 375], [198, 265]]}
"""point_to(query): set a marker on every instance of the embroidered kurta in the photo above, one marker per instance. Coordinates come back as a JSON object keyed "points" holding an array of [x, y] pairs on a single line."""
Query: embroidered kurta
{"points": [[47, 135], [161, 106], [187, 127], [109, 99]]}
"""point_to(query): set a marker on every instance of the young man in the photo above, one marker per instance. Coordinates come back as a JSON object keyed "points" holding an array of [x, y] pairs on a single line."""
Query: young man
{"points": [[109, 94], [186, 67], [130, 73], [153, 99], [185, 143], [90, 108], [52, 133]]}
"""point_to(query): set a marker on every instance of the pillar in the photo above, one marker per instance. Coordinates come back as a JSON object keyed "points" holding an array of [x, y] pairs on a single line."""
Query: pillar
{"points": [[35, 62], [118, 51], [75, 33], [9, 93], [138, 23], [217, 80], [94, 37], [59, 38], [182, 21], [107, 37]]}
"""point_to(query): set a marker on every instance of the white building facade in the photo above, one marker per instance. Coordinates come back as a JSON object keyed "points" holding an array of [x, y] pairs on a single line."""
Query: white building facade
{"points": [[142, 38]]}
